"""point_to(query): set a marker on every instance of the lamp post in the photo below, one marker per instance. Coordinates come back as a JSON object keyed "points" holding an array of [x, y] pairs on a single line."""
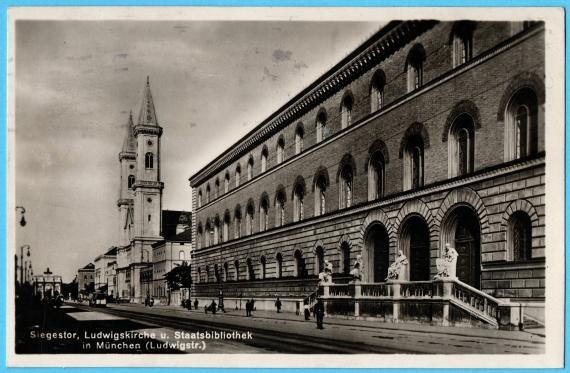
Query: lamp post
{"points": [[23, 210], [22, 261]]}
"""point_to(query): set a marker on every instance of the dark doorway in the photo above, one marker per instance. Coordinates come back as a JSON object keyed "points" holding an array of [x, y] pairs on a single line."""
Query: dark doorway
{"points": [[467, 244], [378, 247], [416, 232]]}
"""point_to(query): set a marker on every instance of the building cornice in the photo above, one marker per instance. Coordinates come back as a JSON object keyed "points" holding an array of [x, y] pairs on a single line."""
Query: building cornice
{"points": [[127, 155], [387, 41], [147, 130], [148, 184], [125, 201], [493, 172], [482, 58]]}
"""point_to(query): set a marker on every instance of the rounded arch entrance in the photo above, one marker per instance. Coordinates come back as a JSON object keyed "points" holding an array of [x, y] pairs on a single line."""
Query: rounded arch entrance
{"points": [[377, 252], [414, 241], [462, 230]]}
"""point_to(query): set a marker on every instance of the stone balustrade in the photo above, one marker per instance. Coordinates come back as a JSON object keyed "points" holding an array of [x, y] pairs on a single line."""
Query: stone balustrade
{"points": [[440, 302]]}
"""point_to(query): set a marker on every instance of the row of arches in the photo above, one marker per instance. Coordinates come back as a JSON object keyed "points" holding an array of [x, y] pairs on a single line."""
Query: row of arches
{"points": [[415, 231]]}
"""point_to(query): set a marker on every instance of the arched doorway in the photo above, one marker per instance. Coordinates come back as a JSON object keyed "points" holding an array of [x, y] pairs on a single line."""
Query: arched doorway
{"points": [[461, 229], [414, 242], [378, 249]]}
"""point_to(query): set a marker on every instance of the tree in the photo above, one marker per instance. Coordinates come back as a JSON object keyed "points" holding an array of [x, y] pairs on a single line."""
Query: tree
{"points": [[179, 277]]}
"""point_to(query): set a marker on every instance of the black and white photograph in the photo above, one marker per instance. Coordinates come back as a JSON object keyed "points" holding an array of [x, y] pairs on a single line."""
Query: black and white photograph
{"points": [[285, 187]]}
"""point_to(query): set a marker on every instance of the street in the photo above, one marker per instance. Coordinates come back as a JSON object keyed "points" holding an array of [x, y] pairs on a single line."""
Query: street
{"points": [[130, 328]]}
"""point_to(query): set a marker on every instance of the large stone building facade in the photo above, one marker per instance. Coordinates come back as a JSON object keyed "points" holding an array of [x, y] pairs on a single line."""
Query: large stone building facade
{"points": [[429, 133]]}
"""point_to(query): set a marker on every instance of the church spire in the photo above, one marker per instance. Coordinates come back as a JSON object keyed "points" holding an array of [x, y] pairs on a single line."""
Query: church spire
{"points": [[147, 115], [130, 143]]}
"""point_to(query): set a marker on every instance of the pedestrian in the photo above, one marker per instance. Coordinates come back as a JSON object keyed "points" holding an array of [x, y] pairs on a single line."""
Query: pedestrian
{"points": [[278, 305], [196, 304], [306, 310], [320, 313], [251, 306], [247, 309], [213, 307]]}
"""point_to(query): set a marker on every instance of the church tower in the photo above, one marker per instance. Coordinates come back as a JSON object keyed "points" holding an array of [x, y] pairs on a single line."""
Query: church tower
{"points": [[127, 159], [147, 188]]}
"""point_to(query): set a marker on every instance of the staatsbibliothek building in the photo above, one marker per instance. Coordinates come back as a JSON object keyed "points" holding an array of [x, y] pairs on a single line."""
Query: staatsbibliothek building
{"points": [[429, 133]]}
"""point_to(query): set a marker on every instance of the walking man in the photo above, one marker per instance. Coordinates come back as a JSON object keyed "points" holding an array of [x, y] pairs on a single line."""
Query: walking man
{"points": [[320, 313], [278, 305]]}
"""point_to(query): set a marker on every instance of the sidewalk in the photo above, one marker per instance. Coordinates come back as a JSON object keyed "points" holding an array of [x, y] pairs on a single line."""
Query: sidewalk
{"points": [[532, 335]]}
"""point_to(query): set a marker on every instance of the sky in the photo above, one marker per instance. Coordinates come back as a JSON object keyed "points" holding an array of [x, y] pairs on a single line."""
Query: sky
{"points": [[76, 81]]}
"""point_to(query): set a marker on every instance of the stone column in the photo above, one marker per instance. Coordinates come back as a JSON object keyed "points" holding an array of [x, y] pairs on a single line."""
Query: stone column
{"points": [[447, 288], [396, 299], [357, 295]]}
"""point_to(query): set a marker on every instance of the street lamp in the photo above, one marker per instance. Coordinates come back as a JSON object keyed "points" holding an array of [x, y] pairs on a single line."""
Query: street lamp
{"points": [[23, 210], [22, 261]]}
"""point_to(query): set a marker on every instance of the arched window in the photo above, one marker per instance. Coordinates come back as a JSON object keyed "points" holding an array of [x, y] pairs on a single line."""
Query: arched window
{"points": [[377, 91], [250, 270], [298, 196], [376, 173], [226, 271], [237, 222], [279, 264], [207, 274], [346, 186], [236, 266], [199, 277], [280, 150], [461, 146], [462, 42], [264, 214], [227, 183], [320, 260], [414, 67], [250, 169], [299, 264], [148, 160], [346, 111], [217, 189], [238, 175], [521, 127], [280, 209], [199, 241], [199, 198], [345, 252], [263, 263], [226, 227], [264, 156], [181, 255], [519, 239], [299, 134], [216, 230], [207, 193], [321, 126], [249, 214], [208, 233], [320, 196], [414, 163], [131, 181]]}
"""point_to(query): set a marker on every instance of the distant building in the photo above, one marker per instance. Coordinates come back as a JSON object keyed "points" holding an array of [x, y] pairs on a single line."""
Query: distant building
{"points": [[86, 278], [103, 275], [165, 255]]}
